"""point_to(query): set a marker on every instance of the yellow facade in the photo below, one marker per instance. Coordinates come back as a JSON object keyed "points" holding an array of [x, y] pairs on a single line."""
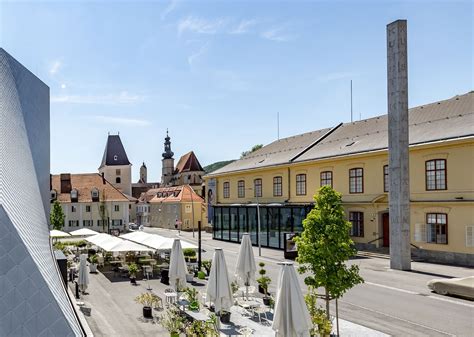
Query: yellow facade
{"points": [[457, 201]]}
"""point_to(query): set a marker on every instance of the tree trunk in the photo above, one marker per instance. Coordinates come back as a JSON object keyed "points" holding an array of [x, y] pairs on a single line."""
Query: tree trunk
{"points": [[327, 303]]}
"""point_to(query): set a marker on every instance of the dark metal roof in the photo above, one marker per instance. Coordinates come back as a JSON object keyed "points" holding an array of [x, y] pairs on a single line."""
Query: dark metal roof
{"points": [[114, 153]]}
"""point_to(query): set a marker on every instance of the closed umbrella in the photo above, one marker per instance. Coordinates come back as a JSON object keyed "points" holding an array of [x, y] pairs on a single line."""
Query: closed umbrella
{"points": [[291, 318], [218, 287], [83, 276], [245, 269], [178, 269]]}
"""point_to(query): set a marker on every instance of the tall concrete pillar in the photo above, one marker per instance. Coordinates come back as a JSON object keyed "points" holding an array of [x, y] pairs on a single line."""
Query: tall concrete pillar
{"points": [[399, 193]]}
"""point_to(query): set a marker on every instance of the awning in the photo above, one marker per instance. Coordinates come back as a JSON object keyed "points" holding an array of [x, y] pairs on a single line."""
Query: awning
{"points": [[83, 232], [155, 241], [114, 244]]}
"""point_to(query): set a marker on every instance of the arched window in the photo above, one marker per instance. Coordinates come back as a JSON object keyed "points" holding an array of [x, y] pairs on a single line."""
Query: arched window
{"points": [[54, 195], [118, 180]]}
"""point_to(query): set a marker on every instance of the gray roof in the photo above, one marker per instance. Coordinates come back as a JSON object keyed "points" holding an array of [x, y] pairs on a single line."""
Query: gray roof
{"points": [[114, 147], [448, 119]]}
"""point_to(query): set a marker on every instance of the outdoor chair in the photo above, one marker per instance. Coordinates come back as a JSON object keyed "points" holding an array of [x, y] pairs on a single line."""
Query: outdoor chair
{"points": [[259, 311]]}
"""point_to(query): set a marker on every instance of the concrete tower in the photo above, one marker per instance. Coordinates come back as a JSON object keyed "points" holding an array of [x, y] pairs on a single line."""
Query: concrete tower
{"points": [[115, 165], [143, 173], [167, 162], [399, 196]]}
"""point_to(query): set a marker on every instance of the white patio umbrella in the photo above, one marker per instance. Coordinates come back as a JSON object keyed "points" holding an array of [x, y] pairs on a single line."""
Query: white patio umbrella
{"points": [[291, 318], [245, 269], [58, 234], [218, 287], [178, 269], [83, 232], [83, 276]]}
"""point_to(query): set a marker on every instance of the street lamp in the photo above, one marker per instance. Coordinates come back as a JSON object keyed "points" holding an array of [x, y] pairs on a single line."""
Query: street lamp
{"points": [[258, 223]]}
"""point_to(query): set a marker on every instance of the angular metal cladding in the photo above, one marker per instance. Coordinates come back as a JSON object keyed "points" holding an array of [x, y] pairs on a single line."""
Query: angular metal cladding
{"points": [[34, 300]]}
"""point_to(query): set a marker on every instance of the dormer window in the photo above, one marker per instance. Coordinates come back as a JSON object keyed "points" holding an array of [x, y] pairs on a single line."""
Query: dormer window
{"points": [[176, 193], [95, 194], [115, 157], [159, 195], [54, 195], [74, 195]]}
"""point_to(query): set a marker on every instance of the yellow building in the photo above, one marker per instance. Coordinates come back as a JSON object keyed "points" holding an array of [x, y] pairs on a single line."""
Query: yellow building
{"points": [[283, 176]]}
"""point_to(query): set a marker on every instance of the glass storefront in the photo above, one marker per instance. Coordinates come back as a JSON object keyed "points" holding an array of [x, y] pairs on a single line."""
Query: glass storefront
{"points": [[231, 222]]}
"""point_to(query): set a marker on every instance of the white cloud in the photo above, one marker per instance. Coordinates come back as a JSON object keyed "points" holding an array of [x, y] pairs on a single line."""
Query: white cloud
{"points": [[110, 99], [121, 120], [276, 34], [193, 57], [200, 26], [171, 7], [244, 27], [55, 66]]}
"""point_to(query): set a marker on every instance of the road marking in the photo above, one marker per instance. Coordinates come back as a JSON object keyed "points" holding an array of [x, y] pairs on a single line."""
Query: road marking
{"points": [[400, 319], [416, 293]]}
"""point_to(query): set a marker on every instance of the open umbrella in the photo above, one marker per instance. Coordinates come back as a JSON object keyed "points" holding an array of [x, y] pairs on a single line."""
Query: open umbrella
{"points": [[291, 318], [83, 232], [178, 269], [58, 234], [246, 268], [218, 287], [83, 276]]}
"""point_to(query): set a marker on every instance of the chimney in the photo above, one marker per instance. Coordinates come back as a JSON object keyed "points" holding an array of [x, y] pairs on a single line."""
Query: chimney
{"points": [[65, 183], [103, 178]]}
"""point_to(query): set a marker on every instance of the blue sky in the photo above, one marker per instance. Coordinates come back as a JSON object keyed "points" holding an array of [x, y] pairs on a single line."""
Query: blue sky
{"points": [[216, 73]]}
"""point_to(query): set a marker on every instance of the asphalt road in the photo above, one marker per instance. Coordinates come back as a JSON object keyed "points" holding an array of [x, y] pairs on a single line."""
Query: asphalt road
{"points": [[391, 301]]}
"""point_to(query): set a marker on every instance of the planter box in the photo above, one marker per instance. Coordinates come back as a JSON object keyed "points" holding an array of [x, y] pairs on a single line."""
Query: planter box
{"points": [[225, 317], [93, 268], [189, 277], [147, 313]]}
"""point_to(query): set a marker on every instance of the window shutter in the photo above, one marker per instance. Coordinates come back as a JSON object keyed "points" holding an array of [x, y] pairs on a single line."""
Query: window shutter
{"points": [[470, 236], [420, 232]]}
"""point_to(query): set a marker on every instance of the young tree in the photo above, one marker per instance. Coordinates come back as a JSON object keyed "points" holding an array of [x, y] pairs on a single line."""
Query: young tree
{"points": [[56, 216], [325, 245]]}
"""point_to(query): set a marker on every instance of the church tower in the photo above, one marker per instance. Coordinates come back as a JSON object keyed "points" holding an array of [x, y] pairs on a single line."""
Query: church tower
{"points": [[115, 165], [167, 162], [143, 173]]}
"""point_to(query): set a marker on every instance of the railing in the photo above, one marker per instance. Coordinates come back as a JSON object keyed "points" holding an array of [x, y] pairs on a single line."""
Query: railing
{"points": [[379, 238]]}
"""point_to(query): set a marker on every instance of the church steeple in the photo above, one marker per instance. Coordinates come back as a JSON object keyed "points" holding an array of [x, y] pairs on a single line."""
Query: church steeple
{"points": [[168, 154]]}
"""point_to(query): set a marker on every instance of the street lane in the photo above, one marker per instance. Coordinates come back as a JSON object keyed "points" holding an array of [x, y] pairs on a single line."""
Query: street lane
{"points": [[394, 302]]}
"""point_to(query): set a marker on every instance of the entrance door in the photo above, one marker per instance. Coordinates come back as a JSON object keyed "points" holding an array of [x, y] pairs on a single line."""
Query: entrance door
{"points": [[386, 229]]}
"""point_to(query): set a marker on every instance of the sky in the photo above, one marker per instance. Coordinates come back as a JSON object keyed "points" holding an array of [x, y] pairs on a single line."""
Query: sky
{"points": [[217, 73]]}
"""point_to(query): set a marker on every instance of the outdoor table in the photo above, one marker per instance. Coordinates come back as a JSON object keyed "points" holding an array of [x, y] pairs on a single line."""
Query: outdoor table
{"points": [[197, 315], [146, 261], [116, 262], [248, 304]]}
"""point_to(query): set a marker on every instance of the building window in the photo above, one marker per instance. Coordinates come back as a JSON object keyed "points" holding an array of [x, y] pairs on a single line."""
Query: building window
{"points": [[437, 228], [357, 220], [117, 222], [74, 195], [301, 184], [386, 182], [102, 208], [118, 180], [241, 189], [356, 180], [73, 223], [326, 178], [88, 208], [470, 236], [277, 186], [117, 172], [73, 208], [95, 194], [54, 195], [226, 189], [257, 185], [116, 208], [436, 175], [87, 223]]}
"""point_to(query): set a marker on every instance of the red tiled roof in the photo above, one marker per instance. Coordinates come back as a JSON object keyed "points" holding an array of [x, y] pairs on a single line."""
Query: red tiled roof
{"points": [[183, 193], [187, 163]]}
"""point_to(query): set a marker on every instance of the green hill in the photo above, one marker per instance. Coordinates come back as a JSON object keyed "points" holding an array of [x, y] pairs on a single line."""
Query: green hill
{"points": [[217, 165]]}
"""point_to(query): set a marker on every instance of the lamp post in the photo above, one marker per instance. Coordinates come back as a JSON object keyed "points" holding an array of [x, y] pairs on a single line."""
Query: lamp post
{"points": [[192, 206], [258, 223]]}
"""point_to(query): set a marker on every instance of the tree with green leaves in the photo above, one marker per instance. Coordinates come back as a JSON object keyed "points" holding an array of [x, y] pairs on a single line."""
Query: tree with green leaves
{"points": [[325, 245], [56, 216], [253, 149]]}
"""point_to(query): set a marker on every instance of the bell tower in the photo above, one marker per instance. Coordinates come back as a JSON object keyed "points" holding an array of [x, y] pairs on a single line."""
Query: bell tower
{"points": [[143, 173], [167, 162]]}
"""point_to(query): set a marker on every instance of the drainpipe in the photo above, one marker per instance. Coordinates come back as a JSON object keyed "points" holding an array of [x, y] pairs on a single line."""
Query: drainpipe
{"points": [[289, 184]]}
